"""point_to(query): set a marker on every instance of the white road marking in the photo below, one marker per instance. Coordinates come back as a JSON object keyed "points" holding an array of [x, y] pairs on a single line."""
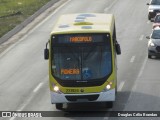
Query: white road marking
{"points": [[106, 118], [132, 59], [38, 87], [111, 5], [29, 99], [142, 68], [141, 37], [12, 118], [139, 75], [26, 103], [121, 86]]}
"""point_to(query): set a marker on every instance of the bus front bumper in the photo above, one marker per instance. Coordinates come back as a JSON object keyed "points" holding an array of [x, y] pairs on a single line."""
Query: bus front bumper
{"points": [[77, 98]]}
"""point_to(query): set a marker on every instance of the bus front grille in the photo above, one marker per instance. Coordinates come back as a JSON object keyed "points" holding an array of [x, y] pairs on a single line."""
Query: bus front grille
{"points": [[86, 97]]}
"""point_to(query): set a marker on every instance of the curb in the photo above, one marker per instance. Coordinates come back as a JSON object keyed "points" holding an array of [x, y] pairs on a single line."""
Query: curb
{"points": [[26, 22]]}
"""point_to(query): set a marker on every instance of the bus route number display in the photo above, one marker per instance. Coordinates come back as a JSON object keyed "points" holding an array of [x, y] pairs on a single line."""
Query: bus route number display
{"points": [[93, 38], [81, 39]]}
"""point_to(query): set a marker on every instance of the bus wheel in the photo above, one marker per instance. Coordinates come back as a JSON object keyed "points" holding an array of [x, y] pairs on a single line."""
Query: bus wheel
{"points": [[116, 91], [109, 104], [59, 106]]}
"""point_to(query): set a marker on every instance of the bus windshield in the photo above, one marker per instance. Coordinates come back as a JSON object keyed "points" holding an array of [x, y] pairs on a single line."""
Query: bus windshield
{"points": [[82, 62]]}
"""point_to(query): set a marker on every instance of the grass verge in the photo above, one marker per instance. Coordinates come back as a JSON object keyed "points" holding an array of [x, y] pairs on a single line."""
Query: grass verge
{"points": [[13, 12]]}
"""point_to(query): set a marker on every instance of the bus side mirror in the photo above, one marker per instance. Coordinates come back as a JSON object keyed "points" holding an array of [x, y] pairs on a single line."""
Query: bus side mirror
{"points": [[46, 54], [147, 4], [118, 49]]}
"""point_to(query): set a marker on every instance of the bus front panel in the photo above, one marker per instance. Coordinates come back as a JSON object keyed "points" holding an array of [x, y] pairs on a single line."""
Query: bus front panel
{"points": [[82, 64]]}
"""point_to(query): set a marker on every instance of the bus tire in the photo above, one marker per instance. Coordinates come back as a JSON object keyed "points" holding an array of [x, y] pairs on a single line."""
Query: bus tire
{"points": [[116, 90], [109, 104], [59, 106]]}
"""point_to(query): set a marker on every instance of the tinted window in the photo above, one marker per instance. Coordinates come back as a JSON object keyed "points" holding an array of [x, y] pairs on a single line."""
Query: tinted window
{"points": [[156, 34], [157, 18], [155, 2], [82, 62]]}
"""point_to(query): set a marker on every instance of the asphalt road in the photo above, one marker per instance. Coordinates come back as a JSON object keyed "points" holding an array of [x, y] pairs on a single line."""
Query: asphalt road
{"points": [[24, 73]]}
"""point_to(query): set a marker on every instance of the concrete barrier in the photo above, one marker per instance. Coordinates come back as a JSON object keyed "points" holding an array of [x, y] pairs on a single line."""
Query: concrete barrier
{"points": [[26, 22]]}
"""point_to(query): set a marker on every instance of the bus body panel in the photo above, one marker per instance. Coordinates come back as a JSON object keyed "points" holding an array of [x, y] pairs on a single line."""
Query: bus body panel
{"points": [[86, 89], [103, 97], [72, 23], [110, 95]]}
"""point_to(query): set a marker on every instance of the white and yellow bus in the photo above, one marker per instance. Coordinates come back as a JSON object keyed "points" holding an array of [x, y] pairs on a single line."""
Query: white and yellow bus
{"points": [[82, 59]]}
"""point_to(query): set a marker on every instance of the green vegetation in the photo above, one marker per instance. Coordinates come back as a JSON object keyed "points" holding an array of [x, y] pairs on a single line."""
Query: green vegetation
{"points": [[13, 12]]}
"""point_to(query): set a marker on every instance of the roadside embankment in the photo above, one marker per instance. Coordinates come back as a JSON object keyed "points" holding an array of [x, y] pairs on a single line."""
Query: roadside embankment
{"points": [[50, 5]]}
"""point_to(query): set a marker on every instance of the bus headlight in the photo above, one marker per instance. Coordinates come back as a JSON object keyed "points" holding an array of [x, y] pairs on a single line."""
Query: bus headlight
{"points": [[108, 87], [56, 88]]}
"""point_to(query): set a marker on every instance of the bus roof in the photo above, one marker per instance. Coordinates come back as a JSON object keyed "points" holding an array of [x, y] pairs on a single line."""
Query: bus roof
{"points": [[84, 23]]}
